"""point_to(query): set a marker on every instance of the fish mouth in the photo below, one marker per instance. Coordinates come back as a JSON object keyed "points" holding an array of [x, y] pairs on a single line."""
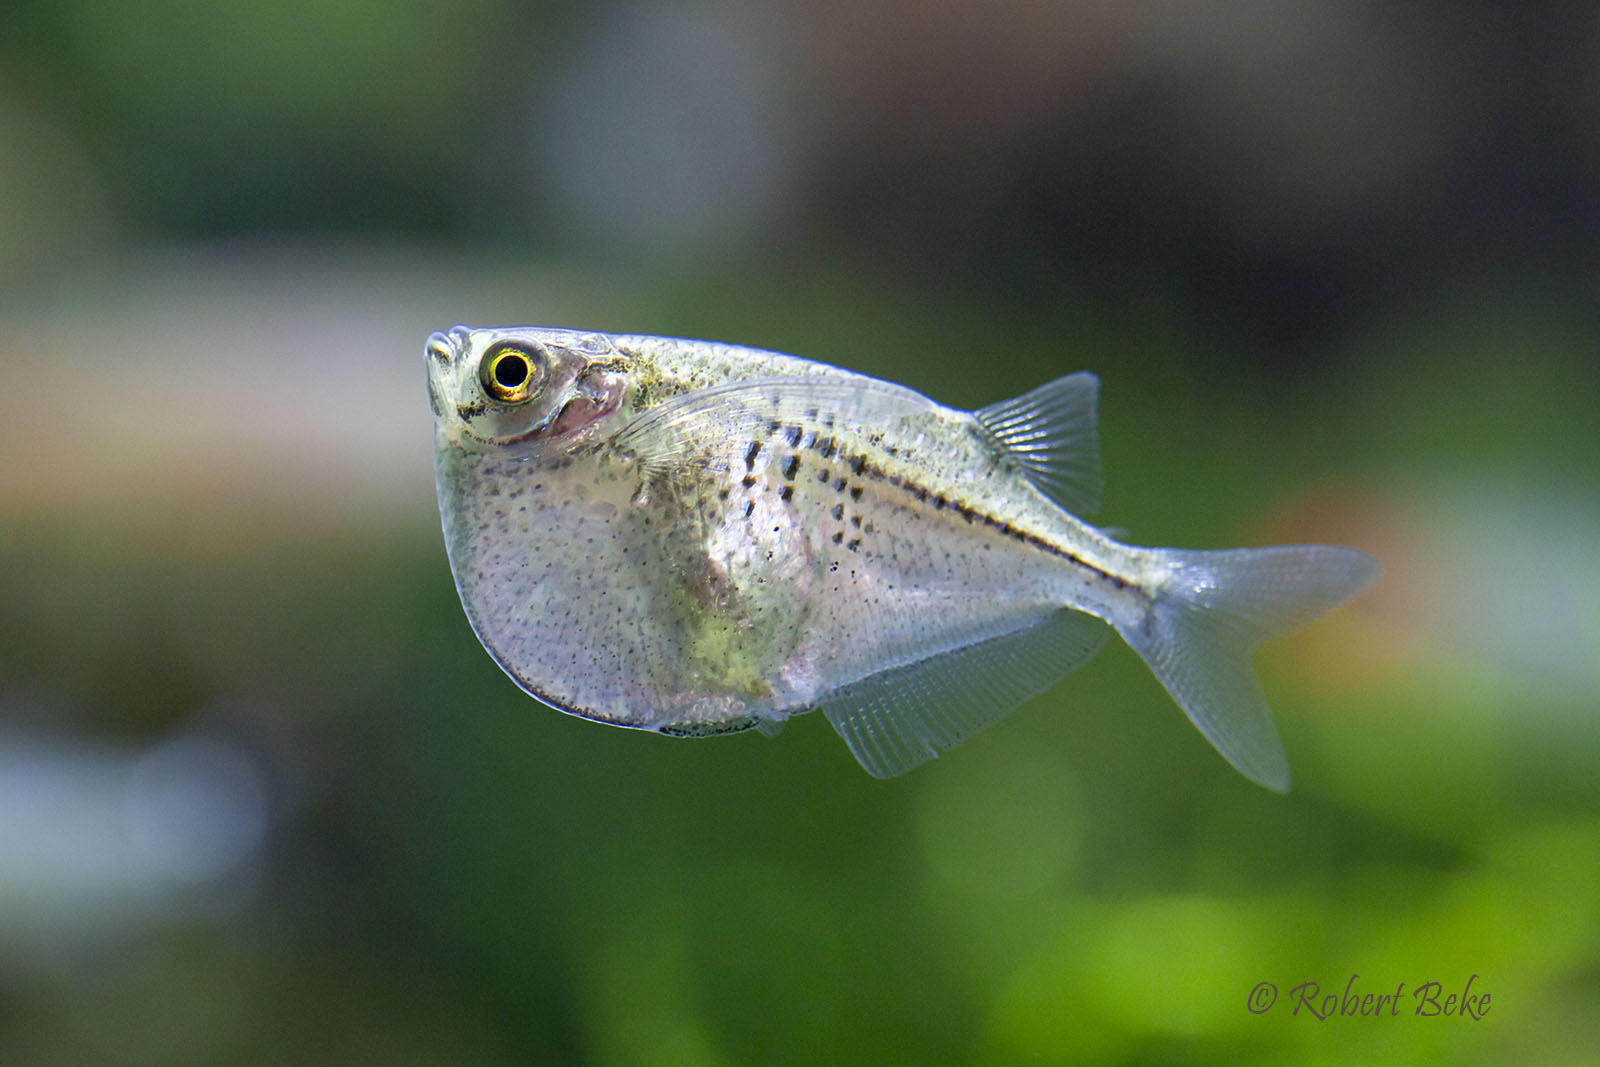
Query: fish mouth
{"points": [[442, 347], [442, 350]]}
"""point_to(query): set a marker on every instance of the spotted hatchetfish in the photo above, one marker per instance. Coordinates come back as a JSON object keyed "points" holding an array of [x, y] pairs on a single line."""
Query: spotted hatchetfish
{"points": [[698, 538]]}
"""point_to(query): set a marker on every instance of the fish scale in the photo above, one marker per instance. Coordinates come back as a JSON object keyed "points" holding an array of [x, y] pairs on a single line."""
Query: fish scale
{"points": [[698, 538], [921, 579]]}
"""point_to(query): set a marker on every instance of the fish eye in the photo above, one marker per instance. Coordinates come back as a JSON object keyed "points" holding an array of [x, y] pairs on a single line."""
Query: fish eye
{"points": [[511, 373]]}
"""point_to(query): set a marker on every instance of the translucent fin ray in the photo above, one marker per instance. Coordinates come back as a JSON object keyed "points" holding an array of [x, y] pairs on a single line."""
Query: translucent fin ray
{"points": [[900, 718], [666, 434], [1053, 431], [1213, 610]]}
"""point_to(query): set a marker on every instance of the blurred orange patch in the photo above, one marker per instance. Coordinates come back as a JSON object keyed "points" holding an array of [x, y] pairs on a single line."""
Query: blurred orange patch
{"points": [[1382, 629]]}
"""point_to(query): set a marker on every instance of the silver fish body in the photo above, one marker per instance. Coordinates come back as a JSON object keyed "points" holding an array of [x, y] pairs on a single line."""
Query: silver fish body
{"points": [[698, 538]]}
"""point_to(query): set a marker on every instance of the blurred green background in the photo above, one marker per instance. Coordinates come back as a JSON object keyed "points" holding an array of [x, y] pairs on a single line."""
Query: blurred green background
{"points": [[263, 799]]}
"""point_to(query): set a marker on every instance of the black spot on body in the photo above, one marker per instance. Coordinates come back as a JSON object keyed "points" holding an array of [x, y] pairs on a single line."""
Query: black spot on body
{"points": [[973, 515], [854, 545], [838, 536], [749, 480], [855, 492], [838, 511], [795, 433], [793, 467], [750, 456], [786, 493]]}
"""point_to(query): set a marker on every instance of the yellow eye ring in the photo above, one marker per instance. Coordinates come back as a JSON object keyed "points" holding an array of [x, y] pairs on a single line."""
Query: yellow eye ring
{"points": [[510, 373]]}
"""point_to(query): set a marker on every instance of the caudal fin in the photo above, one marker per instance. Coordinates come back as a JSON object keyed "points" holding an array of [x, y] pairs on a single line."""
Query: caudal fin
{"points": [[1212, 610]]}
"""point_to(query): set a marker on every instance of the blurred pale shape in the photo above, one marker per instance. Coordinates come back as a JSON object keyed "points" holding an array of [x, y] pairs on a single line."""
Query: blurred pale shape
{"points": [[1116, 975], [212, 381], [1495, 572], [1476, 646], [1177, 964], [1516, 577], [640, 993], [1528, 905], [196, 808], [94, 837], [664, 127], [1043, 1013], [1005, 820]]}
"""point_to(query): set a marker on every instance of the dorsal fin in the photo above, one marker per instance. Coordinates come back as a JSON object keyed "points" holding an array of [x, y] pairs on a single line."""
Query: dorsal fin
{"points": [[1053, 432]]}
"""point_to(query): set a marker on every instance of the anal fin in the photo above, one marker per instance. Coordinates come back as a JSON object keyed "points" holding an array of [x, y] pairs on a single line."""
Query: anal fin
{"points": [[905, 716]]}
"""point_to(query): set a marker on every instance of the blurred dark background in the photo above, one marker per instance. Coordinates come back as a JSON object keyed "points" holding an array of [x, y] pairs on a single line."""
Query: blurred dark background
{"points": [[263, 799]]}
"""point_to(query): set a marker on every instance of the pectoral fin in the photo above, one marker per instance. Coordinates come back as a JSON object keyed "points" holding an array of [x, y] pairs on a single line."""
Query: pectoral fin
{"points": [[674, 432]]}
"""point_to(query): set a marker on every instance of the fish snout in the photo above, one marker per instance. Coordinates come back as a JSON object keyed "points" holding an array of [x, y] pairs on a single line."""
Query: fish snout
{"points": [[443, 348], [442, 351]]}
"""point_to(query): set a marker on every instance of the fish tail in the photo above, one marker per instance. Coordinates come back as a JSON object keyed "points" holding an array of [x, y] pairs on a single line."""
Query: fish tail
{"points": [[1211, 611]]}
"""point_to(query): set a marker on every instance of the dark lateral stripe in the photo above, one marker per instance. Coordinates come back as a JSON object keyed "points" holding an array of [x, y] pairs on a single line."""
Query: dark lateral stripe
{"points": [[862, 467]]}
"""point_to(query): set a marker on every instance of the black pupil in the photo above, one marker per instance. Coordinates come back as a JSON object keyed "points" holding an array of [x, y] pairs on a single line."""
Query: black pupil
{"points": [[511, 370]]}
